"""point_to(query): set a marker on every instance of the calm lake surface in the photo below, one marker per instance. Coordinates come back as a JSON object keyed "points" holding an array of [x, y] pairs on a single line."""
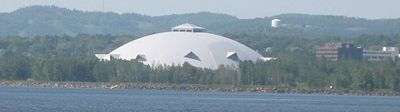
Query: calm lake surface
{"points": [[83, 100]]}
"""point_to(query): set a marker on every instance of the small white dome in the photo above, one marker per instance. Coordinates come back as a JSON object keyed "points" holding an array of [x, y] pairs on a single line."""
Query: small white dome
{"points": [[199, 49]]}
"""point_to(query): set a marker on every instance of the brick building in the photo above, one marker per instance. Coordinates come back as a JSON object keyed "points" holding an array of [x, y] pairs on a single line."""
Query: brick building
{"points": [[339, 51]]}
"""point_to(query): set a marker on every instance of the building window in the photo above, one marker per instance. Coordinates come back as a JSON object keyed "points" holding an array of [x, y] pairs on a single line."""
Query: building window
{"points": [[192, 55], [232, 56]]}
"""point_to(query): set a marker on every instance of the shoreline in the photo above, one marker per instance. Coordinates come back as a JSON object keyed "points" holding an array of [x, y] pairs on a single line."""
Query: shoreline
{"points": [[187, 87]]}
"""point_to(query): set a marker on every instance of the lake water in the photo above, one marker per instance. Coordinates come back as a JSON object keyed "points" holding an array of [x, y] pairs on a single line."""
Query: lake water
{"points": [[84, 100]]}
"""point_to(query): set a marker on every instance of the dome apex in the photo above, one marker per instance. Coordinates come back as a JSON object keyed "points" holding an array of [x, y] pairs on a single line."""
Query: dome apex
{"points": [[187, 27]]}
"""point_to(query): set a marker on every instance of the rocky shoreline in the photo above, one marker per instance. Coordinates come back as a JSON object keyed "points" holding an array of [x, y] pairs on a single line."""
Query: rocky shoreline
{"points": [[187, 87], [114, 85]]}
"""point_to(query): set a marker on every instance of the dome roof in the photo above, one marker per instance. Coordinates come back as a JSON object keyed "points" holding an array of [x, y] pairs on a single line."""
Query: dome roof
{"points": [[199, 49]]}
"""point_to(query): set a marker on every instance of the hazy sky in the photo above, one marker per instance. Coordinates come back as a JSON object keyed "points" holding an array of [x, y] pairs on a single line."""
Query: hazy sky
{"points": [[240, 8]]}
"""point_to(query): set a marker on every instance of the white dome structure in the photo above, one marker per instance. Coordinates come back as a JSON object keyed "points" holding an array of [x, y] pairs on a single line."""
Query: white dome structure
{"points": [[185, 43]]}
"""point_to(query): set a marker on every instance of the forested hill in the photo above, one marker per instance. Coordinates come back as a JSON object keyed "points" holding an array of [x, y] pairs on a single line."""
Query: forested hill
{"points": [[48, 20]]}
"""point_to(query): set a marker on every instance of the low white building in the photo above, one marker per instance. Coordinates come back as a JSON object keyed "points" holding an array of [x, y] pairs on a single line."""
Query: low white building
{"points": [[387, 53]]}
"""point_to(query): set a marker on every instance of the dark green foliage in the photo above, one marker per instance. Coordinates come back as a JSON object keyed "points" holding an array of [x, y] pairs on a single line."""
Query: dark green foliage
{"points": [[15, 67]]}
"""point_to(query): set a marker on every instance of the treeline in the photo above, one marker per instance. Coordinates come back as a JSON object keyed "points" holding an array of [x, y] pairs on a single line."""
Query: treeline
{"points": [[347, 75], [65, 58], [90, 69]]}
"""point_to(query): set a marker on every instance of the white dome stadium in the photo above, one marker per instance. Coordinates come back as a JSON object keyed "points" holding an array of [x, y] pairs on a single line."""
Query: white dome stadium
{"points": [[185, 43]]}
